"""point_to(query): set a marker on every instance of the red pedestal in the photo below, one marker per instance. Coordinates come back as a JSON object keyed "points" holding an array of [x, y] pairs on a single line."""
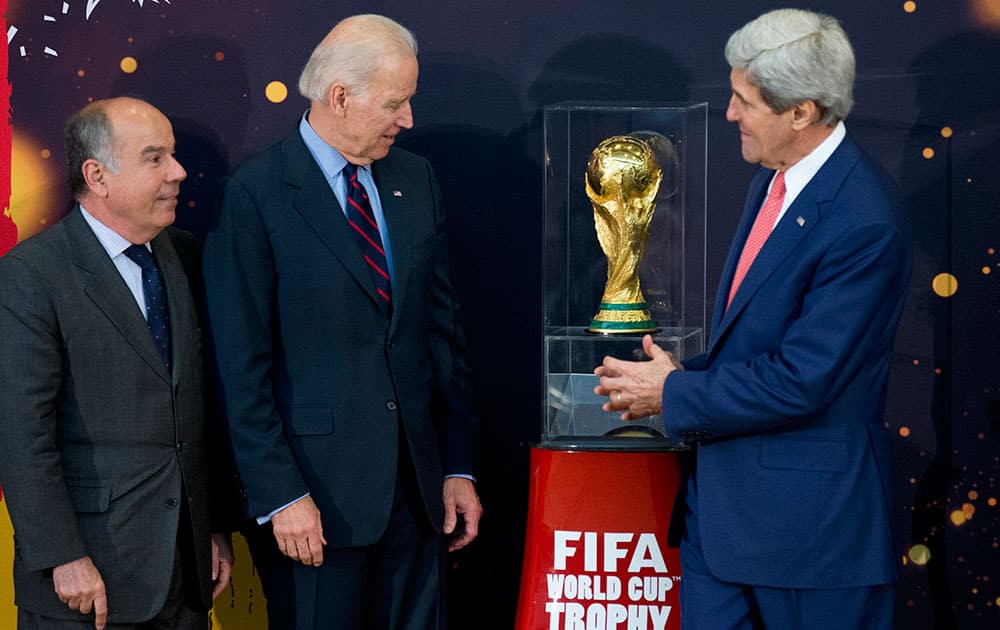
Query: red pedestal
{"points": [[596, 554]]}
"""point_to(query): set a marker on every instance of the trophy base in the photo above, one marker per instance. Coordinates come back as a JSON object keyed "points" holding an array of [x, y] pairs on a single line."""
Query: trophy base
{"points": [[622, 319]]}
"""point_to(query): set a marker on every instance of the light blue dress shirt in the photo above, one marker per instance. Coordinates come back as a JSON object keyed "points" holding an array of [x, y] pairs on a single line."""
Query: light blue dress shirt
{"points": [[116, 244]]}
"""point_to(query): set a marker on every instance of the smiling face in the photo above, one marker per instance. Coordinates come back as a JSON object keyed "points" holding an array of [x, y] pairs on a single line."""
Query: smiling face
{"points": [[767, 138], [370, 119], [141, 198]]}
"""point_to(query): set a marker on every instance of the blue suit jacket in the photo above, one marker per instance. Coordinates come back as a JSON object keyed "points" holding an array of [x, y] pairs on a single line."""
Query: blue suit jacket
{"points": [[317, 382], [793, 469]]}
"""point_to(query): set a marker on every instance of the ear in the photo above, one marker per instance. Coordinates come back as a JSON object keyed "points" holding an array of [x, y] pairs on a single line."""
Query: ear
{"points": [[95, 174], [337, 98], [805, 114]]}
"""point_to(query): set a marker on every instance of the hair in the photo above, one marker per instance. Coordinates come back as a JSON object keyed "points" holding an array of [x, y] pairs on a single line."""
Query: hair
{"points": [[353, 57], [89, 136], [794, 56]]}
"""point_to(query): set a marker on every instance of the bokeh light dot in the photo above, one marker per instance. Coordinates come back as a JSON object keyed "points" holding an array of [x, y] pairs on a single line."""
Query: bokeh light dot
{"points": [[969, 510], [958, 518], [45, 153], [909, 6], [276, 92], [991, 251], [219, 55], [81, 72], [992, 501], [986, 271], [945, 284], [129, 65], [973, 495], [904, 431], [928, 153], [920, 554], [946, 132]]}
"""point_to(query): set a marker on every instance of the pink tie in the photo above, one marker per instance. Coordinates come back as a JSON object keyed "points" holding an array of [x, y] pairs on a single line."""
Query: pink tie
{"points": [[761, 229]]}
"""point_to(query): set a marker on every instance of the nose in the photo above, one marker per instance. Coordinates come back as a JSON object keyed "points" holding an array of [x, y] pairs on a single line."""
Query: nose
{"points": [[405, 118], [731, 113], [177, 172]]}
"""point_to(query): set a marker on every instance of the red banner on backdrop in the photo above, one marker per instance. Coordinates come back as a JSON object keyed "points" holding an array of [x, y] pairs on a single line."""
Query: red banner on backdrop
{"points": [[8, 231]]}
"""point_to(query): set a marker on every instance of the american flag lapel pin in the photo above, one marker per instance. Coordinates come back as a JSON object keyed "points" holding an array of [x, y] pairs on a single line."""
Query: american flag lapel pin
{"points": [[397, 193], [800, 221]]}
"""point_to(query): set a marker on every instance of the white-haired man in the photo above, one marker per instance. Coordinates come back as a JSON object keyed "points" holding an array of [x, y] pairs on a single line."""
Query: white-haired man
{"points": [[340, 352], [787, 510]]}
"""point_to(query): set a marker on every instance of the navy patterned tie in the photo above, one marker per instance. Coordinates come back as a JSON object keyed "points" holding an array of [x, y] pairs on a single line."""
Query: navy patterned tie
{"points": [[157, 310], [362, 222]]}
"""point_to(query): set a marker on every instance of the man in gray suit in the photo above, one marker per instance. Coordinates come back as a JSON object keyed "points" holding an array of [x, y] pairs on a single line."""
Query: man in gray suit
{"points": [[104, 447]]}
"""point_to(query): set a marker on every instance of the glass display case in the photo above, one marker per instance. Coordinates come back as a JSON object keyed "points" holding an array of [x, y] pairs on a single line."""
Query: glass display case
{"points": [[588, 239]]}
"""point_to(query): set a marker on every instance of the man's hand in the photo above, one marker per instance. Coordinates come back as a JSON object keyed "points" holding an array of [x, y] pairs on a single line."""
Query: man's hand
{"points": [[299, 532], [460, 499], [636, 387], [79, 585], [223, 560]]}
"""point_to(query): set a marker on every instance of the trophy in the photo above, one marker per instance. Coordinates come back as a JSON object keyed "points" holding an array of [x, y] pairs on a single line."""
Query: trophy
{"points": [[622, 180]]}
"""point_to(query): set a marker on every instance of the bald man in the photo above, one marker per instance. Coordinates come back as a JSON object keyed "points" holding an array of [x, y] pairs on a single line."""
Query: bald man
{"points": [[104, 455]]}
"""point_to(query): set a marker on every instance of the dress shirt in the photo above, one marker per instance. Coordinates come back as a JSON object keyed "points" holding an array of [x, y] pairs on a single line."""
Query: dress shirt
{"points": [[802, 172], [116, 244]]}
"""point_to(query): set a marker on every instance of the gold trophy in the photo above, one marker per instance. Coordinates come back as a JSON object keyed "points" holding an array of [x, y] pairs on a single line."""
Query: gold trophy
{"points": [[623, 177]]}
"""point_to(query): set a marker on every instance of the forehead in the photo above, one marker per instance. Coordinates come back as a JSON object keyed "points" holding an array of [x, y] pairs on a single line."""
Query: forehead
{"points": [[141, 130], [741, 84], [396, 75]]}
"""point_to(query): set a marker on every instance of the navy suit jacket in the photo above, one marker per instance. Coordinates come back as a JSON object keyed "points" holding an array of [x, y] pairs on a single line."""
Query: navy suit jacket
{"points": [[793, 469], [317, 382]]}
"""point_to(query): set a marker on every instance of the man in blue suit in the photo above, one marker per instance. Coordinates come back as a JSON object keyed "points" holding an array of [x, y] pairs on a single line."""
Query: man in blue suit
{"points": [[339, 350], [787, 507]]}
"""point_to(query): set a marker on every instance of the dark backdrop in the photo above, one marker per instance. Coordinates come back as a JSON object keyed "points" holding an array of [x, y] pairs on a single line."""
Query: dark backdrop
{"points": [[487, 68]]}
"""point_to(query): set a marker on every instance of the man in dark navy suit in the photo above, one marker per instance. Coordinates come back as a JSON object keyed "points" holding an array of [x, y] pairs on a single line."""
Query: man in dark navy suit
{"points": [[787, 508], [340, 353]]}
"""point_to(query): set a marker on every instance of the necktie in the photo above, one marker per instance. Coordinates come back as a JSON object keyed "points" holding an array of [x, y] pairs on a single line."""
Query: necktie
{"points": [[155, 294], [761, 229], [362, 222]]}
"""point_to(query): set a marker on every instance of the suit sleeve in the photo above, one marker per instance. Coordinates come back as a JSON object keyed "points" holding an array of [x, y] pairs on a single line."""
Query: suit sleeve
{"points": [[453, 400], [846, 318], [46, 530], [239, 276]]}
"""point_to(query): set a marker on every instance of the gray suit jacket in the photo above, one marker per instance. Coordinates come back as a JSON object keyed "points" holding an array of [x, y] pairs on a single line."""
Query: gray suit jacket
{"points": [[99, 443]]}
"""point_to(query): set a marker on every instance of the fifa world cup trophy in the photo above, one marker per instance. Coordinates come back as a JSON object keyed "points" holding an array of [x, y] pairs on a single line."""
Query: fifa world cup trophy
{"points": [[622, 180]]}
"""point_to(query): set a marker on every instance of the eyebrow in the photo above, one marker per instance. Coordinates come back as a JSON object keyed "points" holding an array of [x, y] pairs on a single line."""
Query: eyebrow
{"points": [[153, 149]]}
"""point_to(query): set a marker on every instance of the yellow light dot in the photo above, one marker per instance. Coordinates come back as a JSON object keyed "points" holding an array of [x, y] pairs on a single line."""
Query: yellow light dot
{"points": [[909, 6], [997, 600], [946, 132], [986, 271], [968, 509], [276, 92], [45, 153], [920, 554], [904, 431], [928, 153], [945, 284], [973, 495], [129, 65], [958, 518]]}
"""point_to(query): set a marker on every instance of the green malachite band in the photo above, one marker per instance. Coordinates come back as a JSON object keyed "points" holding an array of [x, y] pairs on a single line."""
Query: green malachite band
{"points": [[647, 325], [636, 306]]}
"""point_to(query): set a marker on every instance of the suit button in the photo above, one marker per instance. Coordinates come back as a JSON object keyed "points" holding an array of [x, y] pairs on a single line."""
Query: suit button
{"points": [[179, 446], [390, 405], [170, 503]]}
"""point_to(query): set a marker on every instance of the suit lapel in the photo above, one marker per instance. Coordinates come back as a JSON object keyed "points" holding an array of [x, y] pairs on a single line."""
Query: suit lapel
{"points": [[799, 219], [182, 315], [319, 208], [396, 209], [104, 286]]}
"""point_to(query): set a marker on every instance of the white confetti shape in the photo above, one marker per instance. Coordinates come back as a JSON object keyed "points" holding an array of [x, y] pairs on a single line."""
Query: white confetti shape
{"points": [[49, 51], [48, 18], [91, 4], [11, 32], [65, 8]]}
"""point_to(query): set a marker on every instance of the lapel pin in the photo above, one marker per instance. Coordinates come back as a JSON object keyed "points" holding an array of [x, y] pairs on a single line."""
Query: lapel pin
{"points": [[397, 193], [800, 221]]}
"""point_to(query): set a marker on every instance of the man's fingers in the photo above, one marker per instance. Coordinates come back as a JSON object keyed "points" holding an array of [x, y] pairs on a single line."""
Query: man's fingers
{"points": [[100, 611]]}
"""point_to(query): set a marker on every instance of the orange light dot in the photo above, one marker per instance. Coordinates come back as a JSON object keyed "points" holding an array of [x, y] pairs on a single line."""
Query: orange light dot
{"points": [[191, 203], [986, 271], [81, 73], [973, 495], [992, 501], [45, 153], [937, 371], [946, 132], [909, 6], [128, 65], [276, 91], [958, 518], [219, 55], [968, 509], [928, 153], [904, 431], [991, 251]]}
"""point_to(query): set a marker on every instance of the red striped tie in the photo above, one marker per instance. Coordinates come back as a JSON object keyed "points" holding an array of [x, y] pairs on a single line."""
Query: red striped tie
{"points": [[761, 229], [362, 222]]}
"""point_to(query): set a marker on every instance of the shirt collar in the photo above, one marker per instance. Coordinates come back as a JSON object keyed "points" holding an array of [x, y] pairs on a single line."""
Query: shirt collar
{"points": [[113, 242], [800, 173], [330, 161]]}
